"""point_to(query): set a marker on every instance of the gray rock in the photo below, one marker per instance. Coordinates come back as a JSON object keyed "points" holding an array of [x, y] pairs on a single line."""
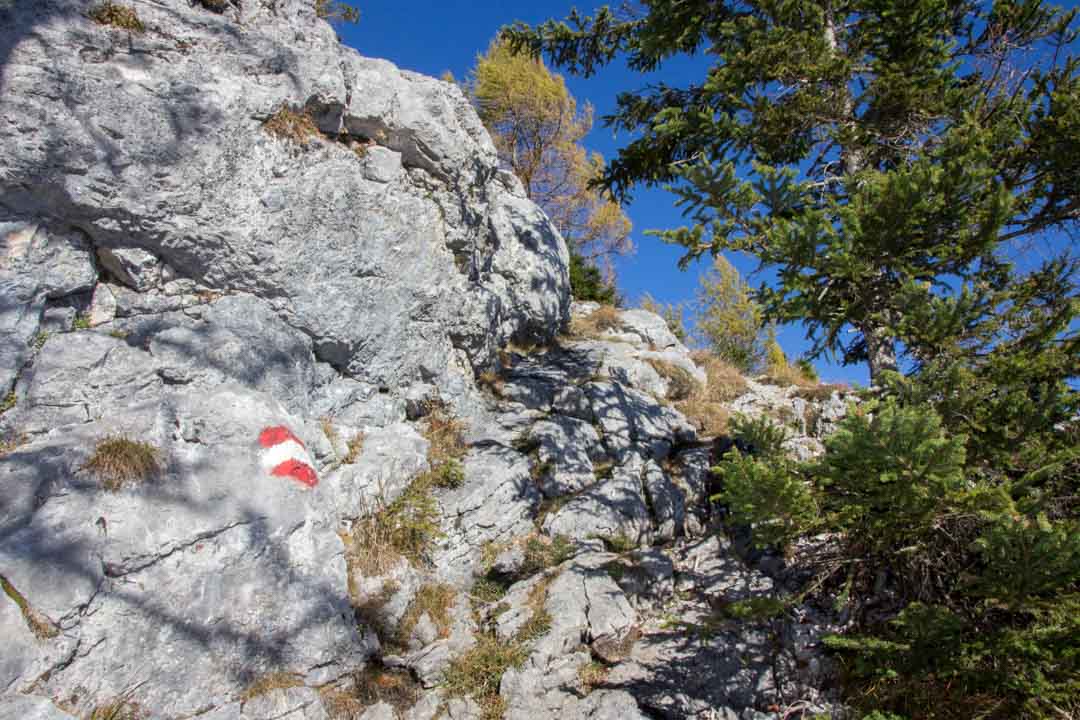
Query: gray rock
{"points": [[20, 316], [30, 707], [496, 503], [103, 306], [613, 508], [379, 711], [133, 267], [566, 450], [163, 162]]}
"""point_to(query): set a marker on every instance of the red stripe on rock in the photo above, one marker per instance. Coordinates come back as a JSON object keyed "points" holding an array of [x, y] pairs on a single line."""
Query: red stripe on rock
{"points": [[297, 470], [278, 434]]}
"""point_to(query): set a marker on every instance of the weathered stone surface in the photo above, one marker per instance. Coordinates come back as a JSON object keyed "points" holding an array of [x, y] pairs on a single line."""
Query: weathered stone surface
{"points": [[30, 707], [496, 503], [613, 508], [167, 158]]}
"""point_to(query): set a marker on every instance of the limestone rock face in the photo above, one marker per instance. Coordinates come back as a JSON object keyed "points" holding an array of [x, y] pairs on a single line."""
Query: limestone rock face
{"points": [[401, 261]]}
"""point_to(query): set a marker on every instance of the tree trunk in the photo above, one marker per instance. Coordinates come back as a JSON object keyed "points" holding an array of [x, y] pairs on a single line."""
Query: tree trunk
{"points": [[880, 345], [880, 351]]}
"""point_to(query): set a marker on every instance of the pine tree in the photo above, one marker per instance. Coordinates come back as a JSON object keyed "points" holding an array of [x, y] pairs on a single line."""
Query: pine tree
{"points": [[871, 152]]}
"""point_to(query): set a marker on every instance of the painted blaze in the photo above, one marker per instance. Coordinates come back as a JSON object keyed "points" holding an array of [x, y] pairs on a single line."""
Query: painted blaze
{"points": [[284, 455]]}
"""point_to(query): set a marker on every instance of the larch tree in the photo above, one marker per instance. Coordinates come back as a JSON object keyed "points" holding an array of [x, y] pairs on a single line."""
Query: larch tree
{"points": [[727, 319], [538, 128], [874, 153]]}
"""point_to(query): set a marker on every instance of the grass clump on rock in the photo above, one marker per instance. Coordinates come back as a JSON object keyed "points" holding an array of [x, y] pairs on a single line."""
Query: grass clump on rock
{"points": [[434, 599], [119, 461], [478, 672], [294, 126], [116, 15]]}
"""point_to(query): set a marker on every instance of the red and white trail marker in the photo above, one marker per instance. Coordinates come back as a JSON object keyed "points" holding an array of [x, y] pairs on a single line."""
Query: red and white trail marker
{"points": [[285, 456]]}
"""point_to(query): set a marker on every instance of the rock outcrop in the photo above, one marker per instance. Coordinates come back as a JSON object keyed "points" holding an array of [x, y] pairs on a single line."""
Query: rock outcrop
{"points": [[265, 268]]}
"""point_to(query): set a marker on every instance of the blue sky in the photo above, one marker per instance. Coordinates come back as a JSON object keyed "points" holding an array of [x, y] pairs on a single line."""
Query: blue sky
{"points": [[432, 37]]}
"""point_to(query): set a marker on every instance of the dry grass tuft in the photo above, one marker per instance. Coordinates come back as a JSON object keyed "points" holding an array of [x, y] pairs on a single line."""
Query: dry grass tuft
{"points": [[372, 685], [353, 448], [595, 325], [478, 672], [118, 460], [539, 621], [446, 436], [706, 407], [591, 675], [446, 448], [492, 381], [42, 627], [435, 599], [291, 125], [787, 374], [725, 382], [271, 681], [10, 443], [117, 15], [681, 384], [118, 709], [407, 527]]}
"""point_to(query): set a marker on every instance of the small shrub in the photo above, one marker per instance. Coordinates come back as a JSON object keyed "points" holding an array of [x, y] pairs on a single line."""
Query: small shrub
{"points": [[291, 125], [619, 543], [336, 11], [760, 435], [435, 599], [681, 384], [478, 672], [82, 322], [269, 682], [8, 402], [450, 475], [767, 496], [756, 608], [119, 334], [116, 15], [588, 283], [40, 339], [118, 460]]}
